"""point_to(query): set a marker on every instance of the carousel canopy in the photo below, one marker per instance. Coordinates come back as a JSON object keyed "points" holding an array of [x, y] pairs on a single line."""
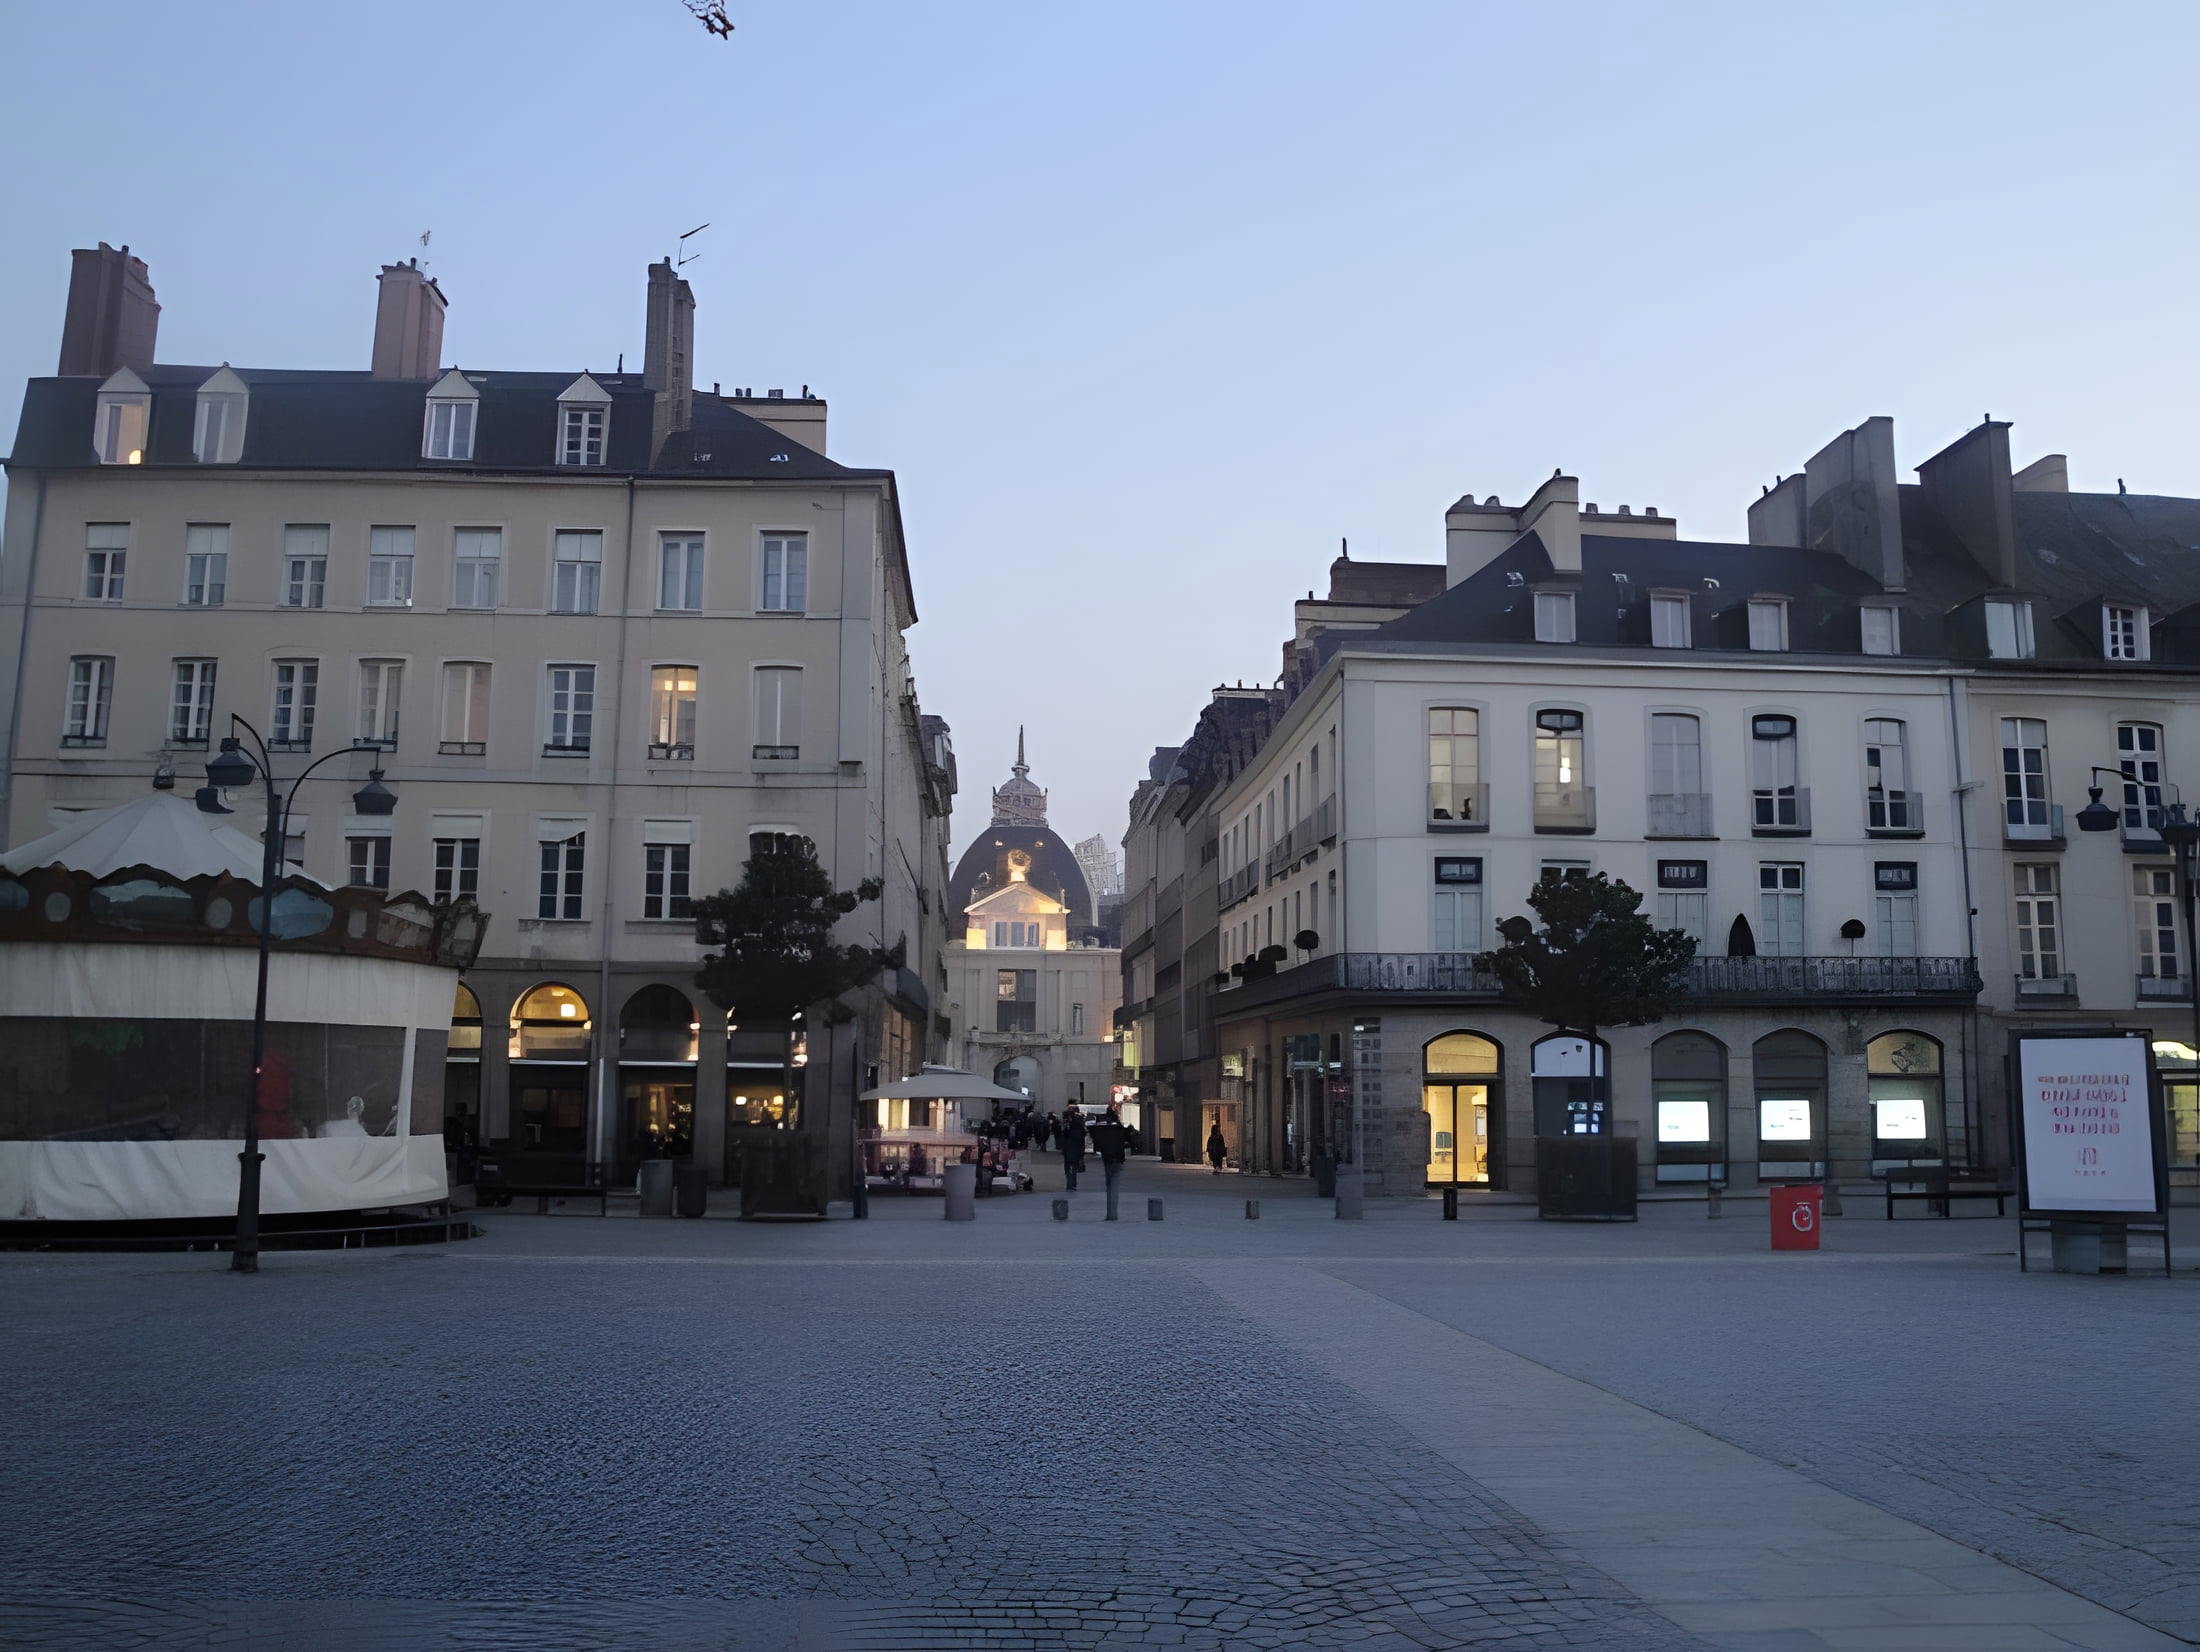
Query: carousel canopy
{"points": [[934, 1083], [160, 830]]}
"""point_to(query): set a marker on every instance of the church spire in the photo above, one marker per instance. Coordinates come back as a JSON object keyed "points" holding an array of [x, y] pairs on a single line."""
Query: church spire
{"points": [[1019, 802], [1022, 768]]}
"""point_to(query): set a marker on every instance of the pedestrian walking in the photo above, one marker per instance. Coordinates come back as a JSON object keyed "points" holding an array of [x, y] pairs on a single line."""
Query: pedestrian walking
{"points": [[1111, 1139], [1073, 1147], [1217, 1148]]}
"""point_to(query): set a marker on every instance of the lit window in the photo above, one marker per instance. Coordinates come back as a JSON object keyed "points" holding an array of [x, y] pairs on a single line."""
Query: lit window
{"points": [[305, 565], [1768, 624], [1454, 766], [478, 557], [1882, 629], [106, 549], [672, 691], [91, 689], [2009, 630], [124, 414], [786, 573], [2124, 633], [679, 571], [577, 572], [1669, 622], [389, 567], [1554, 616]]}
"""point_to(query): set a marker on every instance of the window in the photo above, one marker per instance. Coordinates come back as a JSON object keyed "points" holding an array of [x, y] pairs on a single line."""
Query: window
{"points": [[1016, 1000], [118, 429], [1904, 1083], [457, 868], [786, 573], [672, 712], [1688, 1103], [1554, 616], [450, 431], [1882, 628], [1889, 804], [1551, 870], [576, 571], [679, 570], [2009, 630], [305, 564], [218, 438], [1679, 806], [778, 711], [478, 556], [205, 564], [91, 689], [370, 862], [297, 688], [2139, 755], [1684, 898], [1894, 907], [572, 709], [1014, 934], [1768, 624], [1777, 804], [191, 703], [1669, 621], [2124, 633], [2154, 916], [665, 881], [2025, 808], [1077, 1020], [380, 685], [1780, 908], [106, 548], [1454, 765], [389, 567], [559, 889], [580, 434], [465, 708], [1455, 907], [1561, 798], [2039, 922]]}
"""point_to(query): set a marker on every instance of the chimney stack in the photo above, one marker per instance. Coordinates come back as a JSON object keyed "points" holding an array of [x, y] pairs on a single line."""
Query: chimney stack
{"points": [[112, 315], [408, 324], [668, 353]]}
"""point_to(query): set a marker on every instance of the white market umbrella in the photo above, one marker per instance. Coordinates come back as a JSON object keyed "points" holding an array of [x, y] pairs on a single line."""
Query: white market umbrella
{"points": [[160, 830], [936, 1083]]}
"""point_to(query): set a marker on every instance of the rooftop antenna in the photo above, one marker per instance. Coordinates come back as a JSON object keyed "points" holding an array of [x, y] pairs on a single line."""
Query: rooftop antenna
{"points": [[685, 256]]}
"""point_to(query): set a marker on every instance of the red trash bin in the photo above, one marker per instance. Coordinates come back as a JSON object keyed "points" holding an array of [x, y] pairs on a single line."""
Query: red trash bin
{"points": [[1795, 1217]]}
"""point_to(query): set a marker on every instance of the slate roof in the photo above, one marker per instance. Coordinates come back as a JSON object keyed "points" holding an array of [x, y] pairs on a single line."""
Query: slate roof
{"points": [[346, 420]]}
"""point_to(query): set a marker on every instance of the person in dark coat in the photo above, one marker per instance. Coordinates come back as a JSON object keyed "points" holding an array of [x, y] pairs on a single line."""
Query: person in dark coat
{"points": [[1217, 1148], [1112, 1140], [1072, 1137]]}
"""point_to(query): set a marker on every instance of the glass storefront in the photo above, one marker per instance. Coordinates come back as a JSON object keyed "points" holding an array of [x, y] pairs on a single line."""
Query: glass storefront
{"points": [[1908, 1118], [1688, 1090], [1791, 1106], [2174, 1059], [1459, 1096]]}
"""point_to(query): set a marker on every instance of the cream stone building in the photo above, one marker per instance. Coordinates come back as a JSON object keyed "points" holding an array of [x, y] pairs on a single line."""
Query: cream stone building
{"points": [[598, 630]]}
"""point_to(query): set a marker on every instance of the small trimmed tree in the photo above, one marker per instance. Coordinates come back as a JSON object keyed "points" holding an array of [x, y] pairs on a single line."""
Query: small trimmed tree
{"points": [[1591, 959]]}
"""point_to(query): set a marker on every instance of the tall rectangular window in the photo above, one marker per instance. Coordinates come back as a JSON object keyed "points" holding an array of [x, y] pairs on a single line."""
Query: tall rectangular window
{"points": [[389, 567], [2039, 922], [457, 868], [370, 862], [91, 690], [672, 690], [572, 719], [1889, 803], [191, 703], [1454, 764], [2139, 756], [2154, 917], [665, 881], [305, 564], [381, 683], [1554, 616], [466, 707], [786, 573], [478, 558], [1780, 932], [1896, 928], [1775, 799], [1669, 627], [680, 570], [1684, 898], [2123, 632], [1679, 805], [1882, 628], [580, 434], [205, 564], [576, 571], [1561, 792], [106, 549], [778, 711], [1768, 624], [450, 428], [121, 427], [2009, 630], [219, 436], [1016, 1000], [1455, 906], [559, 890], [297, 689], [2025, 810]]}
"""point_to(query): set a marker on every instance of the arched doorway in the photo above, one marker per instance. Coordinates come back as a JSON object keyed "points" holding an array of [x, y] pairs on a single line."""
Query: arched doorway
{"points": [[657, 1036], [1688, 1095], [552, 1034], [1790, 1069], [1572, 1079], [1018, 1072], [1909, 1117], [1462, 1099], [462, 1074]]}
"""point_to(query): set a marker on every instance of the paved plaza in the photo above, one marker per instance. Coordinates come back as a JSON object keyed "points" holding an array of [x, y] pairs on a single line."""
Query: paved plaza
{"points": [[1203, 1432]]}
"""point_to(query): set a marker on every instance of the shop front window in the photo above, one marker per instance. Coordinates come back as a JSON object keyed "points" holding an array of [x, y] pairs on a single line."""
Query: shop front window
{"points": [[1791, 1106], [1688, 1091], [1459, 1095], [1908, 1125], [1571, 1087]]}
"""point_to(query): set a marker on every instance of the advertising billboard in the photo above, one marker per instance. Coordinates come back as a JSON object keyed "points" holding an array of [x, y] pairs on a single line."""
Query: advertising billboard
{"points": [[2089, 1126]]}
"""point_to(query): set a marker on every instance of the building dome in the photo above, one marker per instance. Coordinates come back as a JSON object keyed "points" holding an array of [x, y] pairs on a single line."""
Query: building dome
{"points": [[1020, 829]]}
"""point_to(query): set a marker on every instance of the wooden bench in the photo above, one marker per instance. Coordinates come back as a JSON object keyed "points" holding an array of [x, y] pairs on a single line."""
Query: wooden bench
{"points": [[491, 1188], [1939, 1185]]}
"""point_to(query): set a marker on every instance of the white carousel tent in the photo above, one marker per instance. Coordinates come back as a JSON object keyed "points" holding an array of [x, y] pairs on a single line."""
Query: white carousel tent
{"points": [[160, 830]]}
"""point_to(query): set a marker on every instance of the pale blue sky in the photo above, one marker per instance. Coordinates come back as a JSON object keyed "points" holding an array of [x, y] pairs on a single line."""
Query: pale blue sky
{"points": [[1148, 304]]}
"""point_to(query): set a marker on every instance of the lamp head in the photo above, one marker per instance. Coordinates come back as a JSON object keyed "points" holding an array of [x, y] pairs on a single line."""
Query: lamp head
{"points": [[232, 770], [374, 798], [2096, 816], [209, 800]]}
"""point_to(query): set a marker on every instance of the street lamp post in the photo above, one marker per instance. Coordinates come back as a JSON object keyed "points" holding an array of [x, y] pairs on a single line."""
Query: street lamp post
{"points": [[2181, 835], [232, 771]]}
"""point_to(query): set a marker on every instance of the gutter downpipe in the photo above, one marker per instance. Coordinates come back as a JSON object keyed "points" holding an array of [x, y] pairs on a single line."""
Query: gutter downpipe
{"points": [[1958, 705], [22, 660], [607, 1060]]}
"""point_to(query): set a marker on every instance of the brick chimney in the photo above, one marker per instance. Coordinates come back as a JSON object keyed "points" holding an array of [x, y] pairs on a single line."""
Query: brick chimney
{"points": [[112, 315], [408, 324], [668, 353]]}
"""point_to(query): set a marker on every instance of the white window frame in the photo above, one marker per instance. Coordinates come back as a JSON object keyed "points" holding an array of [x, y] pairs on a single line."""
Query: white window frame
{"points": [[2039, 928], [1687, 910], [2139, 757], [367, 855], [576, 570], [667, 872], [1783, 915], [1554, 616], [1889, 798], [465, 690], [2154, 922], [561, 877], [294, 704], [778, 711], [452, 878], [1671, 624], [106, 560], [381, 699], [2009, 634], [89, 701], [1775, 773], [1452, 798], [1455, 918], [191, 702], [674, 706], [390, 564], [470, 572], [205, 564], [305, 564], [584, 432], [1676, 766], [1894, 923], [2027, 799], [121, 425], [1768, 625], [569, 708], [2125, 632], [217, 435], [680, 565], [783, 573], [456, 416], [1887, 619]]}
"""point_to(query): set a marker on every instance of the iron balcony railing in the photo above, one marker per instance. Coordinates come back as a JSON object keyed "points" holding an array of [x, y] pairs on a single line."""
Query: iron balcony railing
{"points": [[1680, 814], [1238, 885], [1325, 820]]}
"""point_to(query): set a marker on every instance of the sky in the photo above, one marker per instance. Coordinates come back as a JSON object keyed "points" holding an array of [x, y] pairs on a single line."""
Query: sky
{"points": [[1150, 305]]}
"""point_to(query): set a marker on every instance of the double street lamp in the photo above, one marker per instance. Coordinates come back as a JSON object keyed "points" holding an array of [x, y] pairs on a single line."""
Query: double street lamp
{"points": [[2181, 836], [232, 771]]}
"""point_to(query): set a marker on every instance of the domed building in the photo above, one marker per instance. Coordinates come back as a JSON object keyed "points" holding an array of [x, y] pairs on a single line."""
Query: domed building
{"points": [[1020, 830]]}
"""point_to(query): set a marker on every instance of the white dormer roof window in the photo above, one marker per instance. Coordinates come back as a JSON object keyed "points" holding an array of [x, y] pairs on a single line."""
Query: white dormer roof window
{"points": [[124, 417], [454, 407], [584, 422], [2124, 632], [1554, 616], [1768, 624], [218, 437], [2008, 628]]}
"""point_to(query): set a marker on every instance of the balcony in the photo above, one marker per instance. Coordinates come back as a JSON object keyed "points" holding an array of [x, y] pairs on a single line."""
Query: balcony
{"points": [[1779, 811], [1680, 814], [2052, 989], [1325, 821], [2162, 988], [1565, 808], [1459, 808], [2032, 822], [1893, 814], [1237, 886]]}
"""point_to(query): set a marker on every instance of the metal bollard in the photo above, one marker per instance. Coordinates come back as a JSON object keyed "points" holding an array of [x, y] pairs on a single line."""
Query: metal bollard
{"points": [[1715, 1202], [1252, 1210], [1061, 1210], [1451, 1204], [1153, 1210]]}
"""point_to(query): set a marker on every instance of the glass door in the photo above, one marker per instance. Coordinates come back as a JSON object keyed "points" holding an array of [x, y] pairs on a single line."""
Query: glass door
{"points": [[1458, 1133]]}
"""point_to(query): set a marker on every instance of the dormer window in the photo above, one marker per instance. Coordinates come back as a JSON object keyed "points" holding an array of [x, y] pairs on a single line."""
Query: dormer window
{"points": [[1768, 624], [1668, 620], [2124, 632], [125, 413], [1554, 616], [218, 437], [453, 404], [1881, 624], [2009, 630], [584, 422]]}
